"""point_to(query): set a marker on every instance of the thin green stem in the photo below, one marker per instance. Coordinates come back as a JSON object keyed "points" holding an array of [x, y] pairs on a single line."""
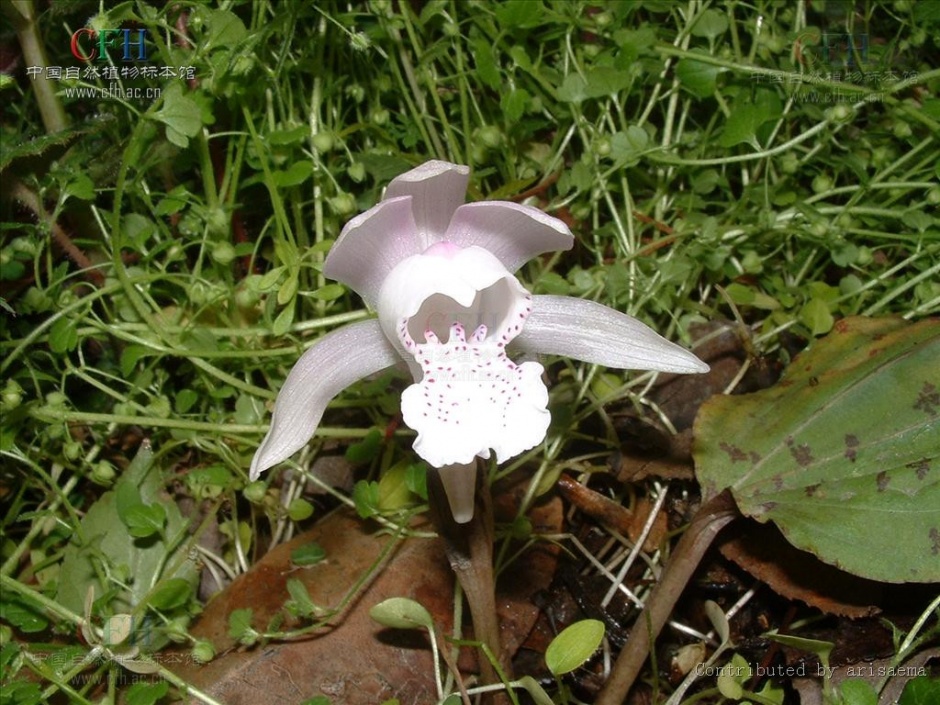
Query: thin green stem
{"points": [[226, 429]]}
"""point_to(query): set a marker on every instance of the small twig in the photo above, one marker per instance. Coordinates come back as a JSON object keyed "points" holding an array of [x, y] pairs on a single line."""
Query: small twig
{"points": [[711, 518], [540, 188]]}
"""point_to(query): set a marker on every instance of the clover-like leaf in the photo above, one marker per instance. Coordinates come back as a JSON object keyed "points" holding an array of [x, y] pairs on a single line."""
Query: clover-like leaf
{"points": [[842, 454], [180, 114]]}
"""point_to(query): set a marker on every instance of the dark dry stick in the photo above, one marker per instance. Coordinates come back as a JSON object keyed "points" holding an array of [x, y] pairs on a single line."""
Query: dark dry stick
{"points": [[713, 516]]}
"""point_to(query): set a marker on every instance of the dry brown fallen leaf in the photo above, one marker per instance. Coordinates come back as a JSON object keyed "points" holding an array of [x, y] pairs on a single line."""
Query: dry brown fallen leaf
{"points": [[797, 575], [357, 661]]}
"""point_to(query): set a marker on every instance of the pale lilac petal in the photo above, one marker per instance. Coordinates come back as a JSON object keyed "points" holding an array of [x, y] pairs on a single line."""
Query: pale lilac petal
{"points": [[437, 189], [460, 484], [333, 363], [588, 331], [371, 245], [513, 232]]}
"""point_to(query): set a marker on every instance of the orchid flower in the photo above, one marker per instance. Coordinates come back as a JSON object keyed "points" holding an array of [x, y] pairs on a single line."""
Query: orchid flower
{"points": [[440, 274]]}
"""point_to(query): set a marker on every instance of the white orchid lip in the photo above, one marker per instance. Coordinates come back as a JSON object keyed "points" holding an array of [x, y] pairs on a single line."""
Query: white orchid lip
{"points": [[440, 274], [452, 312]]}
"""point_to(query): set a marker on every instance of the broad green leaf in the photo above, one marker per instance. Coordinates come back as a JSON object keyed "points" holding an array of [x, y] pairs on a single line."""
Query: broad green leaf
{"points": [[184, 401], [366, 498], [844, 446], [626, 147], [487, 71], [596, 83], [514, 104], [572, 89], [283, 321], [299, 509], [144, 520], [171, 594], [858, 692], [239, 626], [180, 114], [416, 479], [225, 29], [63, 335], [521, 58], [328, 292], [635, 43], [710, 24], [393, 488], [288, 289], [81, 186], [302, 603], [732, 676], [21, 614], [605, 80], [21, 692], [13, 146], [519, 13], [747, 116], [553, 283], [573, 646], [145, 693], [844, 253], [271, 279], [917, 220], [367, 449], [383, 167], [402, 613], [294, 175], [308, 554], [816, 316], [103, 536], [697, 77], [294, 135], [923, 690]]}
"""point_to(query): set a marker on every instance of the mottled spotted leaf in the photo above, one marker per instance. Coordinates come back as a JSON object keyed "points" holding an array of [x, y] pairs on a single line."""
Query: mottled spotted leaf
{"points": [[843, 454]]}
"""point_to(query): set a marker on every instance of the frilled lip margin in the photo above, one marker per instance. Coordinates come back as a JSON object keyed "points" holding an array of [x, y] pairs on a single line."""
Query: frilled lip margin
{"points": [[557, 325]]}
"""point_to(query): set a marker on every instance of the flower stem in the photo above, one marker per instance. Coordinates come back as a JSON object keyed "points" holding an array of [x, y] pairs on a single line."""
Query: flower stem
{"points": [[469, 548]]}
